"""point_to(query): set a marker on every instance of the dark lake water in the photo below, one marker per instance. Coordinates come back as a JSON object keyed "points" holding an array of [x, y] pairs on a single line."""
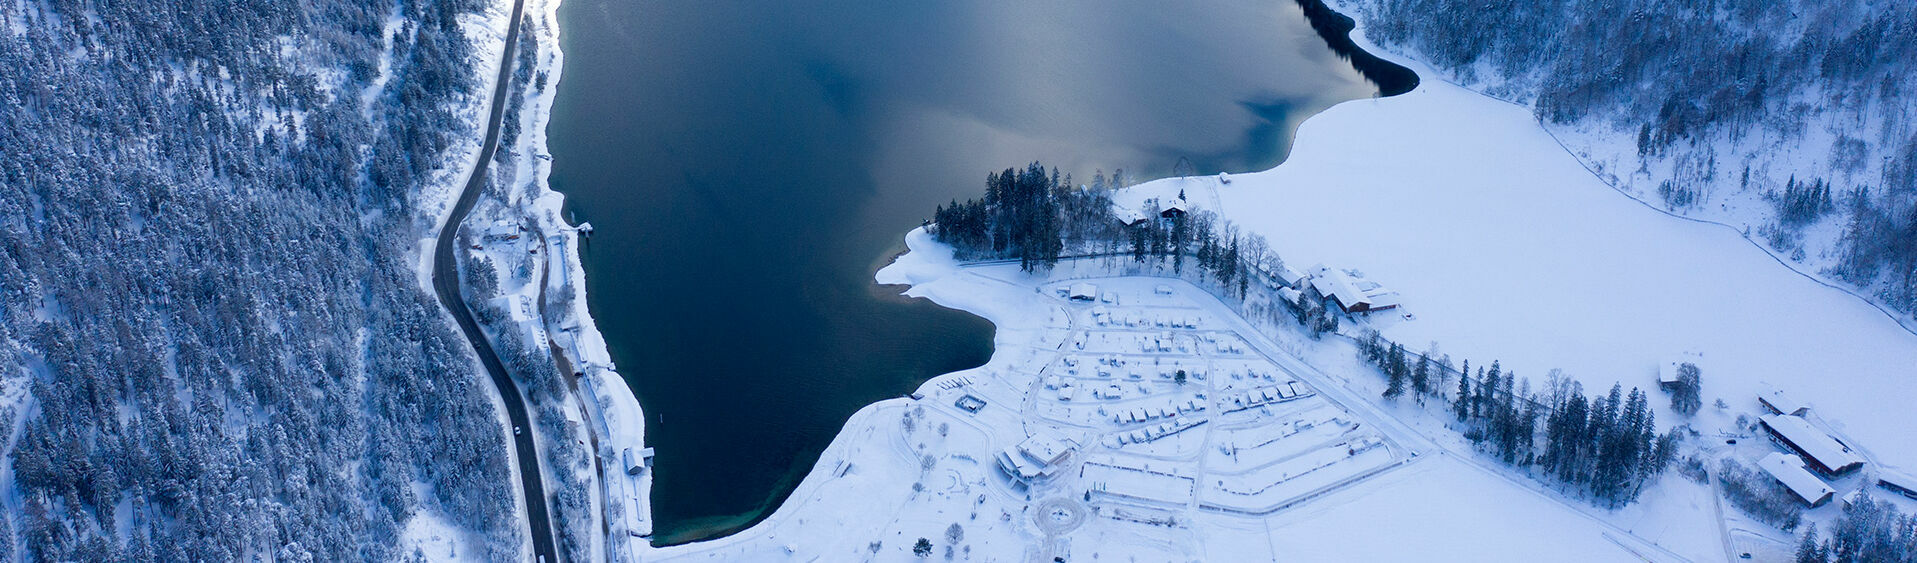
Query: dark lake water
{"points": [[748, 165]]}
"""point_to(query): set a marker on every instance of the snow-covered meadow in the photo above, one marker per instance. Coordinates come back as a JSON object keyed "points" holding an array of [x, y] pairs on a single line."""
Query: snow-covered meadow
{"points": [[1504, 247]]}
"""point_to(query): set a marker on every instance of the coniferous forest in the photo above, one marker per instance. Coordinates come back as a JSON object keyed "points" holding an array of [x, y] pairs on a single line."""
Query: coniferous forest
{"points": [[208, 223]]}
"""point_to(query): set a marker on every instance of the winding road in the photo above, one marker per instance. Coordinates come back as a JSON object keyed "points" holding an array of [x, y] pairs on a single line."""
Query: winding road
{"points": [[446, 285]]}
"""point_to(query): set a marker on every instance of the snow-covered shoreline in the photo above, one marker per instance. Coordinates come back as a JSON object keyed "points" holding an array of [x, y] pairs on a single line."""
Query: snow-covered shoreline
{"points": [[1500, 188], [859, 486], [616, 419], [869, 486]]}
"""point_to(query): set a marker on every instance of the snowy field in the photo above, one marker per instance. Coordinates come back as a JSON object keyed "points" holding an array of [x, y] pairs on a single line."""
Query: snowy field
{"points": [[1504, 247], [1340, 478]]}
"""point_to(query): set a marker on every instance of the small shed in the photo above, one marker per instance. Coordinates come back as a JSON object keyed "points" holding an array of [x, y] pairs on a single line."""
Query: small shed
{"points": [[633, 466], [1789, 470], [1082, 291], [1820, 451], [1667, 375], [970, 403], [1850, 499], [636, 462]]}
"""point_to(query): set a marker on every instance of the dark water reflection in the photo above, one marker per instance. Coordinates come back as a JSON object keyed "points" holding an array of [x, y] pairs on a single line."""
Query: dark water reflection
{"points": [[748, 165]]}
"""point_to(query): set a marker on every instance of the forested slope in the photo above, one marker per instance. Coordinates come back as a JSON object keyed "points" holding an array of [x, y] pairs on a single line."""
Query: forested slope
{"points": [[1794, 119], [207, 214]]}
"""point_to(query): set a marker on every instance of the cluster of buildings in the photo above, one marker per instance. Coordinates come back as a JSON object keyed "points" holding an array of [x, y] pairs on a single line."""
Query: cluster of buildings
{"points": [[1153, 432], [1349, 292], [1148, 369], [1352, 294], [1815, 455], [1146, 414], [1266, 395]]}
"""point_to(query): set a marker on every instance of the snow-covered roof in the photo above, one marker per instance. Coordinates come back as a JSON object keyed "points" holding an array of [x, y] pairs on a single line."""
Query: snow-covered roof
{"points": [[1012, 462], [1889, 479], [1036, 456], [1789, 470], [1288, 274], [1289, 294], [1667, 372], [1823, 449], [1127, 215], [1775, 400], [1045, 448], [1337, 284], [1083, 290], [1381, 298]]}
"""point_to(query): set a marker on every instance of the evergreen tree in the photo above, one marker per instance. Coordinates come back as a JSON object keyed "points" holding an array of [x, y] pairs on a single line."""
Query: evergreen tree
{"points": [[1808, 550], [1395, 372], [1421, 377], [1487, 391], [1180, 234], [1140, 243], [1462, 403]]}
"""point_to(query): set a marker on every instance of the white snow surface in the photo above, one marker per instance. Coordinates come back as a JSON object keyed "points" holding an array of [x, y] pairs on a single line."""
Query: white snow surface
{"points": [[1443, 503], [1504, 247]]}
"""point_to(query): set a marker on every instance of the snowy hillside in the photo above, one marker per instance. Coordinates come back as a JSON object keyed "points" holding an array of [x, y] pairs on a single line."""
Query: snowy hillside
{"points": [[1793, 122]]}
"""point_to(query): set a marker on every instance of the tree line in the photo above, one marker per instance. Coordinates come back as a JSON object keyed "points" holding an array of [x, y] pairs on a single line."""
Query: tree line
{"points": [[1605, 447], [1038, 216]]}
